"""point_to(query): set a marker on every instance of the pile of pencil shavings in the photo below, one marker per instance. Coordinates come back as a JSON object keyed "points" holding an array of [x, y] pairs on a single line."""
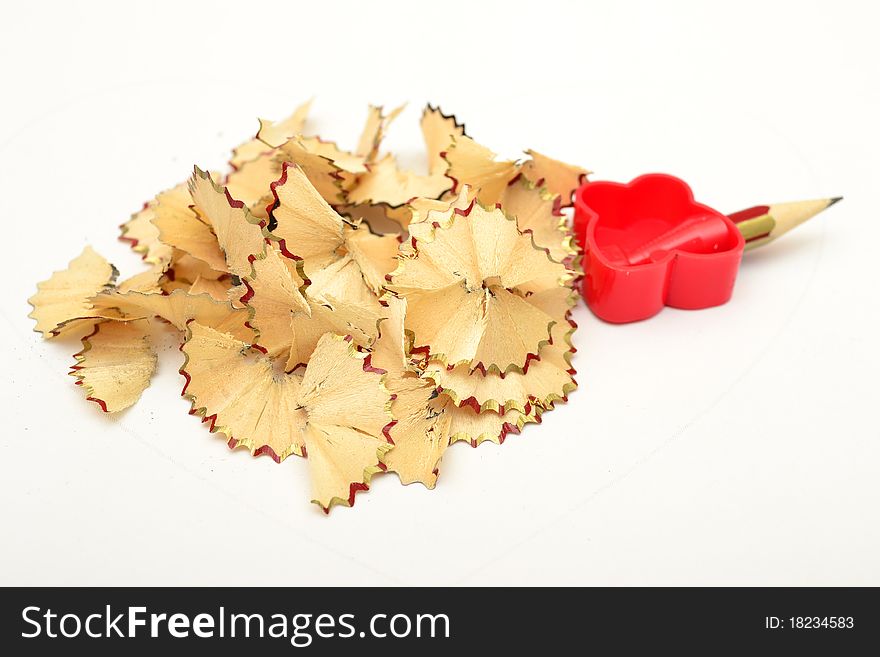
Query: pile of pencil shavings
{"points": [[335, 307]]}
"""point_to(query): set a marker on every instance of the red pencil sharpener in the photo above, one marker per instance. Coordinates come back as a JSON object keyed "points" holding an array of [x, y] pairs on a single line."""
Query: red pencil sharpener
{"points": [[647, 244]]}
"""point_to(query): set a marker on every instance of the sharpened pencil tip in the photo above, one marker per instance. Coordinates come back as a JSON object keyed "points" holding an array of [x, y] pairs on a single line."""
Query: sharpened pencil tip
{"points": [[836, 199]]}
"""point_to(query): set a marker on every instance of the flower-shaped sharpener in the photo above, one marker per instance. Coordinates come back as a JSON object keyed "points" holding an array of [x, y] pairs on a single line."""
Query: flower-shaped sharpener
{"points": [[648, 244]]}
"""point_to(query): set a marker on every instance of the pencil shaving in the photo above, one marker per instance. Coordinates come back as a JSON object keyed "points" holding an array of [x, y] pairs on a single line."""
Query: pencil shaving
{"points": [[334, 306]]}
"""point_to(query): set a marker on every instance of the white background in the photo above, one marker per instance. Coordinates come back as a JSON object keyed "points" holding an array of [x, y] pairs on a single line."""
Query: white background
{"points": [[737, 445]]}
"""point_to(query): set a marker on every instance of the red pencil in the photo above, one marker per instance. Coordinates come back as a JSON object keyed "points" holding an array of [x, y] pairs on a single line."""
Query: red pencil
{"points": [[762, 224]]}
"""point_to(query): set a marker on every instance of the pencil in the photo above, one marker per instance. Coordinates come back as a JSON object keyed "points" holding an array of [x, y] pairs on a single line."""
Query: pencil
{"points": [[762, 224]]}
